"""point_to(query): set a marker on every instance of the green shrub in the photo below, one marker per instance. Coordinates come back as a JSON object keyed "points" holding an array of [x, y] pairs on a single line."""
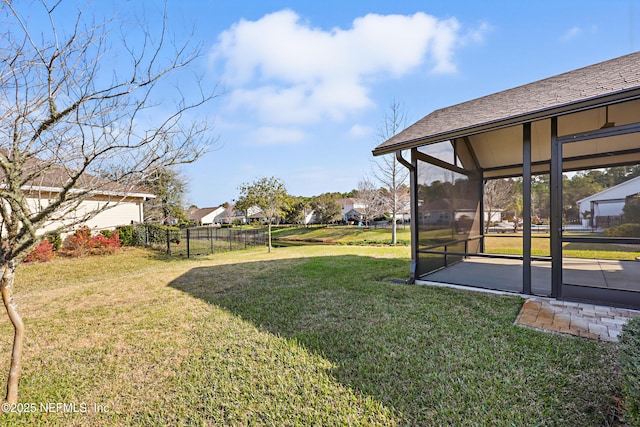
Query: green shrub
{"points": [[55, 239], [629, 360], [147, 234], [631, 210], [106, 233], [624, 230], [157, 234], [126, 233]]}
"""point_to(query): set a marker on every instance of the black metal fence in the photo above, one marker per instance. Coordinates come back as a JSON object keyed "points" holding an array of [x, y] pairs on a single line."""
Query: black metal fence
{"points": [[209, 240], [608, 221]]}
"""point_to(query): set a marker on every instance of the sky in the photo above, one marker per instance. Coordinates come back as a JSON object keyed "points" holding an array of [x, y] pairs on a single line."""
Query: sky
{"points": [[304, 86]]}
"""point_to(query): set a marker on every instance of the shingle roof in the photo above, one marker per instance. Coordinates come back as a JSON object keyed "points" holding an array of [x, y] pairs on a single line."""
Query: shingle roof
{"points": [[201, 213], [544, 98], [53, 177]]}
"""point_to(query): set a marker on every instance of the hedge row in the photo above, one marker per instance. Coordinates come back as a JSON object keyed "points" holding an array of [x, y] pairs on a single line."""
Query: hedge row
{"points": [[147, 234], [624, 230], [629, 360]]}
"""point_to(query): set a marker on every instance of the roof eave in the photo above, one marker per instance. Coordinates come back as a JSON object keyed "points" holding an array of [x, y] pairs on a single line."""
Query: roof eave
{"points": [[584, 104], [124, 194]]}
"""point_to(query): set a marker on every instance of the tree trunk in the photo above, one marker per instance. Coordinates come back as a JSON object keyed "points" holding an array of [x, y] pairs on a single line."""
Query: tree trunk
{"points": [[394, 238], [394, 227], [269, 235], [6, 287], [488, 221]]}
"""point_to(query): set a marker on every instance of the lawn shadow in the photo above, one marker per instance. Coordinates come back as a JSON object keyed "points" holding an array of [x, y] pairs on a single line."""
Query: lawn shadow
{"points": [[434, 355]]}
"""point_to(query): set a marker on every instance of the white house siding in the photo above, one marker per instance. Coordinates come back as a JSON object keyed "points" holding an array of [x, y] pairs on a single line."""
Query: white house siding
{"points": [[347, 205], [212, 217], [120, 213], [123, 213], [496, 216], [610, 202]]}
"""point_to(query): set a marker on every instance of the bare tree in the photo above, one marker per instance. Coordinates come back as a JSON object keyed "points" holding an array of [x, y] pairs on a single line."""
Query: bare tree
{"points": [[498, 195], [229, 213], [71, 127], [370, 200], [391, 174]]}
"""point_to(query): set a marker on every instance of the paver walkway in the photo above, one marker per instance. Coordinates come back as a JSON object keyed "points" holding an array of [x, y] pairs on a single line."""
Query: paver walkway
{"points": [[584, 320]]}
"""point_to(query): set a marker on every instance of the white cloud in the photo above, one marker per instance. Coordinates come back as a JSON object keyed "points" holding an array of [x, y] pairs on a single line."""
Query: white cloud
{"points": [[268, 135], [290, 72], [360, 131], [476, 35], [571, 33]]}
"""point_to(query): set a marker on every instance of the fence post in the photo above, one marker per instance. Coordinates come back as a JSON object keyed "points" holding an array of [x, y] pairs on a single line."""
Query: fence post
{"points": [[188, 243], [210, 233], [230, 239]]}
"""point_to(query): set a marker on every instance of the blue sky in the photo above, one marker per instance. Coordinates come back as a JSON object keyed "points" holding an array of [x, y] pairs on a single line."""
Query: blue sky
{"points": [[307, 83]]}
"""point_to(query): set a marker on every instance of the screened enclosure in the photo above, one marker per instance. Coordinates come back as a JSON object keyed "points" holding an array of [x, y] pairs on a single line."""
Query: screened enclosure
{"points": [[542, 144]]}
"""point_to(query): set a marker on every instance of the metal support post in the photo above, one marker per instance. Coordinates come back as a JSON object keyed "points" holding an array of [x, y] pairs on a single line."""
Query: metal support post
{"points": [[526, 209]]}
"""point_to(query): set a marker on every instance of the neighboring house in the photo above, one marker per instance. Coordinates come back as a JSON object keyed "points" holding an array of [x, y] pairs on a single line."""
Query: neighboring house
{"points": [[495, 213], [207, 216], [403, 212], [122, 210], [608, 203], [353, 215], [254, 213], [441, 211], [106, 207], [444, 212], [351, 209], [308, 216]]}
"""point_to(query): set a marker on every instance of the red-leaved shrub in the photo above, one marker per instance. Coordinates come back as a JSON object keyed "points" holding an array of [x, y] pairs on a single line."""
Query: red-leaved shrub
{"points": [[41, 253], [82, 243], [101, 244]]}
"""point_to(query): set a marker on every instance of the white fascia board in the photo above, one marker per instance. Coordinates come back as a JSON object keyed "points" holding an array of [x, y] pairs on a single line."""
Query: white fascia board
{"points": [[36, 188]]}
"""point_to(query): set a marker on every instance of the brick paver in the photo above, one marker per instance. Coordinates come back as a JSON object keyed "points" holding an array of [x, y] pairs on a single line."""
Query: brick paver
{"points": [[583, 320]]}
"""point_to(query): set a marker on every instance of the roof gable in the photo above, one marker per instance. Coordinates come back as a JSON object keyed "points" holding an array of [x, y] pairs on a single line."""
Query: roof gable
{"points": [[620, 191], [44, 176], [203, 212], [544, 98]]}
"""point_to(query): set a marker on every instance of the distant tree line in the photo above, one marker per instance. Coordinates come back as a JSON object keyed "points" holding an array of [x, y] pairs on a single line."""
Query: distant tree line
{"points": [[504, 196]]}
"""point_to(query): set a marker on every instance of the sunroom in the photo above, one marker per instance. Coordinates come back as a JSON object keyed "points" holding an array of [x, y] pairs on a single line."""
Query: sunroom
{"points": [[533, 138]]}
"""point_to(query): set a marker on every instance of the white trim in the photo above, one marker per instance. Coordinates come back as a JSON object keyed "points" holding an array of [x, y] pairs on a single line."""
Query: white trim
{"points": [[467, 288], [38, 188], [607, 190]]}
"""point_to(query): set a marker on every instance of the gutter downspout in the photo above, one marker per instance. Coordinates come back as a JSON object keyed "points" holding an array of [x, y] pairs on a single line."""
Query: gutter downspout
{"points": [[413, 185]]}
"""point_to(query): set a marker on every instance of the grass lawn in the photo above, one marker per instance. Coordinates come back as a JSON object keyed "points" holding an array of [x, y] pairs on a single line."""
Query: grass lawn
{"points": [[312, 335], [342, 234], [512, 244]]}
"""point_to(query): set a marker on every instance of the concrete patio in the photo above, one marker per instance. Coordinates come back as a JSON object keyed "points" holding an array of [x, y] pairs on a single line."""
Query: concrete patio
{"points": [[506, 274], [547, 314]]}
